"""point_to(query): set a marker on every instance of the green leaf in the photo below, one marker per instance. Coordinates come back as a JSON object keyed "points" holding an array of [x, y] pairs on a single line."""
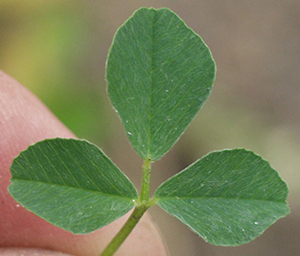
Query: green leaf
{"points": [[72, 184], [228, 197], [159, 73]]}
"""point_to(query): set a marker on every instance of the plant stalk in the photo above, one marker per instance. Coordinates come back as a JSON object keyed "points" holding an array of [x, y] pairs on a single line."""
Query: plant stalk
{"points": [[142, 204], [116, 242], [144, 198]]}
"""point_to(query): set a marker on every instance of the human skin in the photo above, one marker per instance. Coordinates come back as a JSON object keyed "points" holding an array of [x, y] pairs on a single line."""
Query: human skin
{"points": [[24, 120]]}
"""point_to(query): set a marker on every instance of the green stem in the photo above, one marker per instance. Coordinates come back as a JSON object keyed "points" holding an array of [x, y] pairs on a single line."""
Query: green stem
{"points": [[125, 231], [142, 204], [144, 198]]}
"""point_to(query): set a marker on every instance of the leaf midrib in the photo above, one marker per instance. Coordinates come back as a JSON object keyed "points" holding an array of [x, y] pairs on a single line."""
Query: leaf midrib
{"points": [[151, 87], [72, 187], [220, 198]]}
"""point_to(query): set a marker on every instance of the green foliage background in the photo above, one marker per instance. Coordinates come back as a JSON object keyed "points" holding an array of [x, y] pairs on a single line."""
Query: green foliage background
{"points": [[58, 49]]}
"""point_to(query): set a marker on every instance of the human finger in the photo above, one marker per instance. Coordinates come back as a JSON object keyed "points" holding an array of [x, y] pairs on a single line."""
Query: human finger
{"points": [[24, 120]]}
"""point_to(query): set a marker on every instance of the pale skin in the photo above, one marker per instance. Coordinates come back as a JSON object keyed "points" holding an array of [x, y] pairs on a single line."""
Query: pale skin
{"points": [[24, 120]]}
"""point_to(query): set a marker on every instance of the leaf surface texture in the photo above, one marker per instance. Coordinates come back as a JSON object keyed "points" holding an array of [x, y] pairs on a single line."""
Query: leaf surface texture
{"points": [[72, 184], [159, 74], [228, 197]]}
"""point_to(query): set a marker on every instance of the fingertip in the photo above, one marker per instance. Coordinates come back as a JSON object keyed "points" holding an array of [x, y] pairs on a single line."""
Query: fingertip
{"points": [[29, 252], [25, 120]]}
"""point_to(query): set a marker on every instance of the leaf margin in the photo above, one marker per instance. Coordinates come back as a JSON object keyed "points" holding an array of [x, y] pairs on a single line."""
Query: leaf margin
{"points": [[12, 187], [285, 210]]}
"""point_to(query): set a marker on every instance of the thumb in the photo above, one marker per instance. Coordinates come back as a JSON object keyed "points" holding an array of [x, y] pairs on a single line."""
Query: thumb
{"points": [[24, 120]]}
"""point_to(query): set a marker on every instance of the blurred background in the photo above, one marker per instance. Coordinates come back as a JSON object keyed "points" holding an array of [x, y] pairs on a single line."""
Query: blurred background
{"points": [[58, 50]]}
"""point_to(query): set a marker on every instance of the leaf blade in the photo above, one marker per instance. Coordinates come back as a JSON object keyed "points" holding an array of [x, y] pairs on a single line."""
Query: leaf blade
{"points": [[227, 197], [59, 178], [159, 74], [240, 231]]}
